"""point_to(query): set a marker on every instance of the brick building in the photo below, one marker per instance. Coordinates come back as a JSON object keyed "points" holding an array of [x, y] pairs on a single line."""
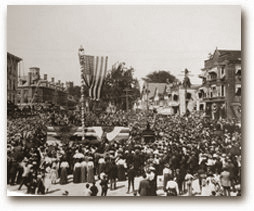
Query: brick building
{"points": [[220, 93], [34, 89], [13, 63]]}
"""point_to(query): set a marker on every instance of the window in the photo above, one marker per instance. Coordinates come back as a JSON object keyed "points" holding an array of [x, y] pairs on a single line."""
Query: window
{"points": [[213, 76], [214, 91], [222, 90], [238, 92], [222, 70], [13, 83], [188, 96], [175, 97], [218, 91]]}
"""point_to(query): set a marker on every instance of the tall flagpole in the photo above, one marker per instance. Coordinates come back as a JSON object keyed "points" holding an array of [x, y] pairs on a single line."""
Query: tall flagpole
{"points": [[81, 54]]}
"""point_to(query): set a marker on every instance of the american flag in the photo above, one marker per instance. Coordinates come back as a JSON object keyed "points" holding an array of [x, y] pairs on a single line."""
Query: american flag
{"points": [[94, 71]]}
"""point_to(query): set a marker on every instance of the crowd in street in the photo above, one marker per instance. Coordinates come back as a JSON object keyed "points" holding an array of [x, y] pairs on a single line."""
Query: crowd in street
{"points": [[193, 155]]}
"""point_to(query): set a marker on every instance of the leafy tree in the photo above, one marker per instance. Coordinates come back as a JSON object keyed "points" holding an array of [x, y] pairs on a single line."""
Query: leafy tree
{"points": [[120, 82], [160, 76], [75, 92]]}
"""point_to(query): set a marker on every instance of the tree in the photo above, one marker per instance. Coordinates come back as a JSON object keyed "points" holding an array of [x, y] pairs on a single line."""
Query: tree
{"points": [[118, 83], [75, 92], [160, 76]]}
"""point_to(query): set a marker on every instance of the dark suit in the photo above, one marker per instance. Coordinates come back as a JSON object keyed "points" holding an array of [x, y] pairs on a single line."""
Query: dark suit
{"points": [[144, 188]]}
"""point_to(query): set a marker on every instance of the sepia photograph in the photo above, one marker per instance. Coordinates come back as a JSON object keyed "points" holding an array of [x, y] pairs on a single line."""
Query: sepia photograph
{"points": [[124, 100]]}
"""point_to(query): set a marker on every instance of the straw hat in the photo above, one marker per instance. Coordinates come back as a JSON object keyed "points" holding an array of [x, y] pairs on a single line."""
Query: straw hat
{"points": [[151, 168]]}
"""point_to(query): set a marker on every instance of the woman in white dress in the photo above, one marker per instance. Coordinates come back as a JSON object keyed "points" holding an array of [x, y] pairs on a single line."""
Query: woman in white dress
{"points": [[47, 179], [188, 181]]}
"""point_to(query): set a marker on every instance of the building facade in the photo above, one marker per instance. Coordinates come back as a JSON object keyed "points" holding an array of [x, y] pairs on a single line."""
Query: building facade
{"points": [[13, 63], [220, 93], [33, 89], [182, 100], [170, 98]]}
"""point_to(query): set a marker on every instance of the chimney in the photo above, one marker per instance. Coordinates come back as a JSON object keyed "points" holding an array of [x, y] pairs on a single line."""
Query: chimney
{"points": [[53, 80], [29, 80], [62, 85], [45, 77], [59, 82]]}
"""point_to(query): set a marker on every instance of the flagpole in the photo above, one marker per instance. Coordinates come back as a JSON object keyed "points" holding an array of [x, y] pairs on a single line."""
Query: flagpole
{"points": [[82, 63]]}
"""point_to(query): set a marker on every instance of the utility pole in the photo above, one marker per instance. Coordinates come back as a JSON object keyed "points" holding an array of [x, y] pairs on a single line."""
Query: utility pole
{"points": [[81, 54], [126, 98], [186, 85]]}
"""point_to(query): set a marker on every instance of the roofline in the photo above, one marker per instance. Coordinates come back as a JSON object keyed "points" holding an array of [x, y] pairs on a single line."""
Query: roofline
{"points": [[16, 57], [223, 50], [228, 50]]}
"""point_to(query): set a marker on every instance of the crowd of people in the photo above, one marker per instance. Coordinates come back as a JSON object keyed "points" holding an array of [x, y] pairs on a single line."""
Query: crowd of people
{"points": [[191, 155]]}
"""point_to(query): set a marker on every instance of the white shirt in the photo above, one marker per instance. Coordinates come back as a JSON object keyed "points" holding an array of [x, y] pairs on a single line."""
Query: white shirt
{"points": [[172, 185], [151, 176], [167, 171]]}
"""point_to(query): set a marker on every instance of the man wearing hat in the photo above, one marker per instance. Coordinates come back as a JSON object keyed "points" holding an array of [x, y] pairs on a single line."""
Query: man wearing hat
{"points": [[131, 177]]}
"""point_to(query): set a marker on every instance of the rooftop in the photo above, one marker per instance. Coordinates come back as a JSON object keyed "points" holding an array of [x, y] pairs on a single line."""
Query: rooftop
{"points": [[221, 55], [13, 56]]}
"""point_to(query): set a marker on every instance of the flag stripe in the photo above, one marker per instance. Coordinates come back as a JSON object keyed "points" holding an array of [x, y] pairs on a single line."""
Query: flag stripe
{"points": [[95, 70], [96, 77], [102, 78], [99, 78]]}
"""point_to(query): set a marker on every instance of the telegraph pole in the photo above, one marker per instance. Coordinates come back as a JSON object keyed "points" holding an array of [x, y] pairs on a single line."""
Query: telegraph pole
{"points": [[81, 54], [186, 85], [126, 98]]}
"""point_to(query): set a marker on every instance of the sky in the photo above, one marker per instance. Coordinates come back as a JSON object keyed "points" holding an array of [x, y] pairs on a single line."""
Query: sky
{"points": [[148, 38]]}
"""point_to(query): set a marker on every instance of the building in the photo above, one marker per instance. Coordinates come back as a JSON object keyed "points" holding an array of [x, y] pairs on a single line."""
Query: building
{"points": [[13, 66], [220, 93], [181, 100], [33, 89], [152, 94], [170, 98]]}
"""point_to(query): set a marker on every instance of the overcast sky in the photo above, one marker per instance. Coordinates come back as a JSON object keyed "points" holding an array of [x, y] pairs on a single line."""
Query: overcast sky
{"points": [[147, 38]]}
